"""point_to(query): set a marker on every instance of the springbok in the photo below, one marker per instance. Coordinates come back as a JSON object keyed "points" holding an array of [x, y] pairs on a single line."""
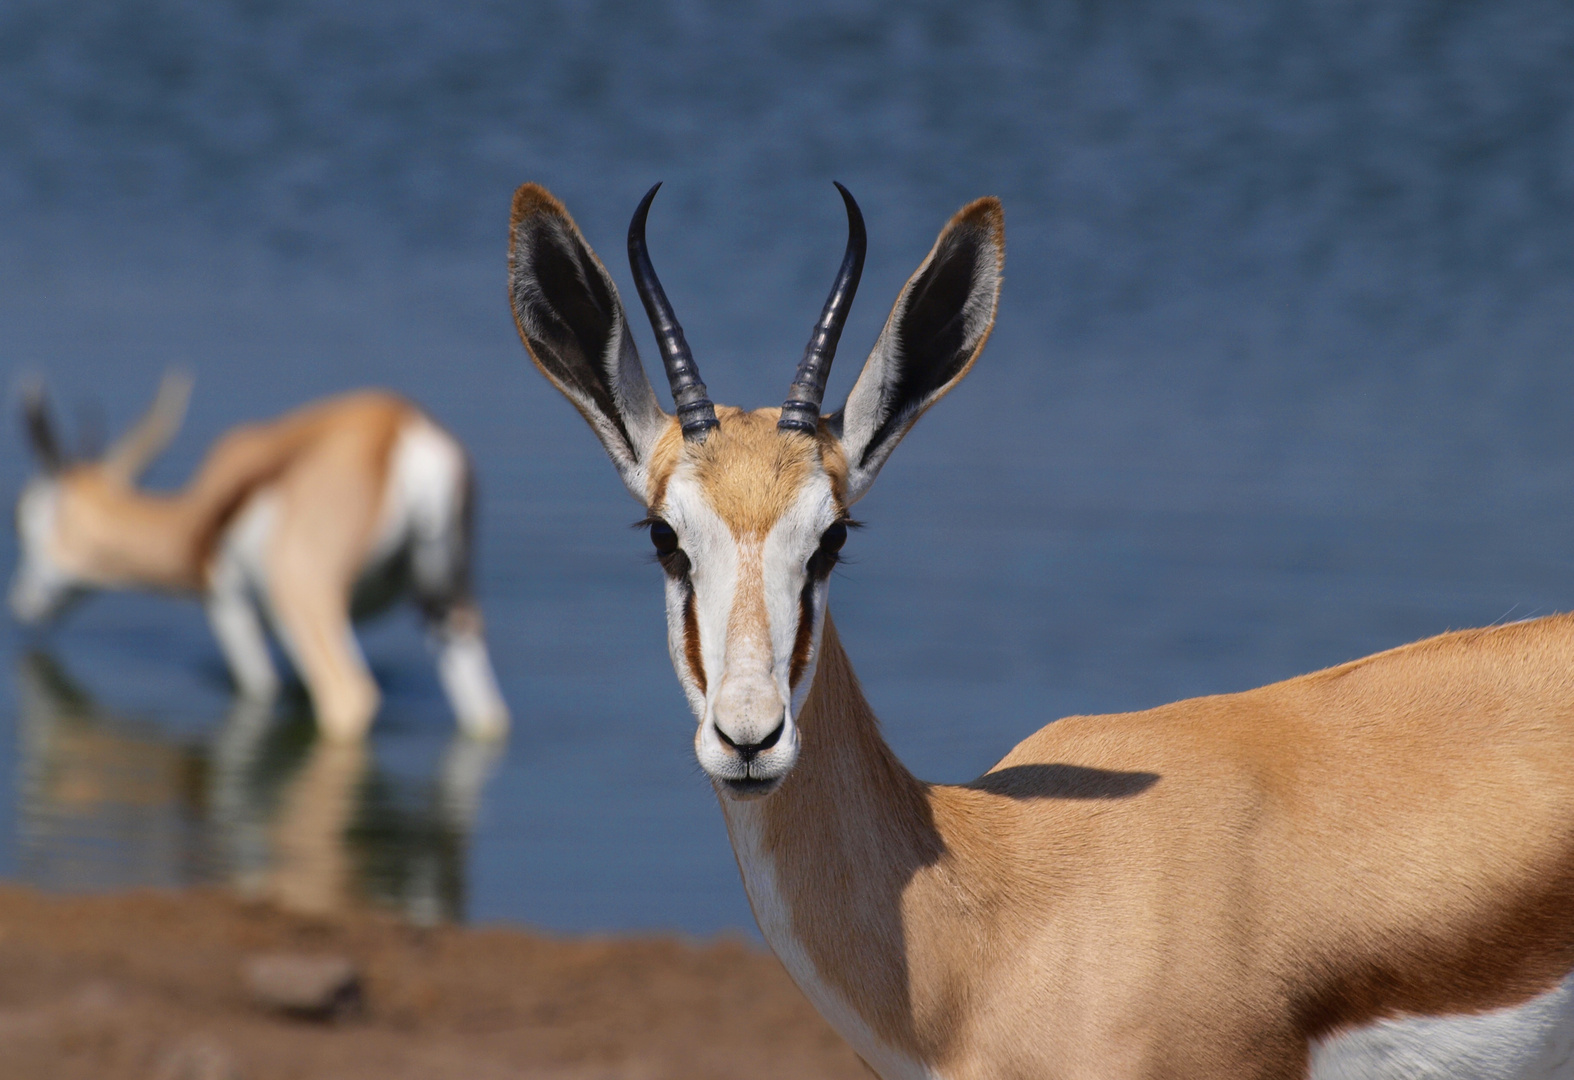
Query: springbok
{"points": [[324, 515], [1367, 871]]}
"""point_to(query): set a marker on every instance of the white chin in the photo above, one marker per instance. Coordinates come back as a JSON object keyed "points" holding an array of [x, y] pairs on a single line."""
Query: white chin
{"points": [[759, 777], [751, 788], [772, 765]]}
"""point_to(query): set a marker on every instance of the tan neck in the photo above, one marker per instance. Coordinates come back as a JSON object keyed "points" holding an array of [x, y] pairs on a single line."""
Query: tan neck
{"points": [[124, 537], [845, 837]]}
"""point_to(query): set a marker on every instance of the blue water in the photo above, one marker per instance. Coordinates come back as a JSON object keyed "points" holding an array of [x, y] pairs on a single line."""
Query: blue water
{"points": [[1282, 376]]}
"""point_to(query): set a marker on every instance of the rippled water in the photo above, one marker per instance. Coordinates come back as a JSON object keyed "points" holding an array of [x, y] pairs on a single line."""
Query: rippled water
{"points": [[1282, 376]]}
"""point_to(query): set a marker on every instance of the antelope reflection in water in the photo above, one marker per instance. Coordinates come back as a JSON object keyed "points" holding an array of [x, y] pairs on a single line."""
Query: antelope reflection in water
{"points": [[315, 826]]}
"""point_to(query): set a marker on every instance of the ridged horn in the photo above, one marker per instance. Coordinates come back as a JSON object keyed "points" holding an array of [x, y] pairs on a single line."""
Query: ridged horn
{"points": [[802, 409], [696, 414]]}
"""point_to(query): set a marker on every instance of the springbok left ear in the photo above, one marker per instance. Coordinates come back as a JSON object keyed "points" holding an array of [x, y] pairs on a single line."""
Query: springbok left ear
{"points": [[935, 332], [573, 325]]}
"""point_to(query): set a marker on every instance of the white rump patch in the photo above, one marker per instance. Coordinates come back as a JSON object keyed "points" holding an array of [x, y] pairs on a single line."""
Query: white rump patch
{"points": [[423, 503]]}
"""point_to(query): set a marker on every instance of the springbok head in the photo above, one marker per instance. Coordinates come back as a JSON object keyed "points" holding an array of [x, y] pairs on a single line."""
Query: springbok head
{"points": [[747, 510], [59, 510]]}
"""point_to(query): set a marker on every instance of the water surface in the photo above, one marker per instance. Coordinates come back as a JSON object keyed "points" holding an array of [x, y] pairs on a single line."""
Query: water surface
{"points": [[1281, 377]]}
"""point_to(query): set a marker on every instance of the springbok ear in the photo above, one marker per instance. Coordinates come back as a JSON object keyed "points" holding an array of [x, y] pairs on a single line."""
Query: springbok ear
{"points": [[572, 322], [935, 332], [134, 451], [41, 429]]}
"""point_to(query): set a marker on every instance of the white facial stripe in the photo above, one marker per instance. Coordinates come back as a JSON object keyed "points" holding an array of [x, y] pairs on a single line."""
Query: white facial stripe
{"points": [[41, 584], [35, 517], [806, 679], [713, 559], [788, 546], [677, 600]]}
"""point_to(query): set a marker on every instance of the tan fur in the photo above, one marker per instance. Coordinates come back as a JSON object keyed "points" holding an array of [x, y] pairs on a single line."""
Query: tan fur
{"points": [[327, 464], [114, 534], [1195, 890], [750, 472], [664, 458], [1198, 889]]}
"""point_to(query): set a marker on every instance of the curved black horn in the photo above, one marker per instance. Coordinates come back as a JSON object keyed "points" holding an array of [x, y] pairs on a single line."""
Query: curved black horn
{"points": [[802, 409], [696, 414]]}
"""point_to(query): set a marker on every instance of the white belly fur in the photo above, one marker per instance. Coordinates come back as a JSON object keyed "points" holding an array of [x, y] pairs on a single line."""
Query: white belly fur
{"points": [[244, 547], [1533, 1041]]}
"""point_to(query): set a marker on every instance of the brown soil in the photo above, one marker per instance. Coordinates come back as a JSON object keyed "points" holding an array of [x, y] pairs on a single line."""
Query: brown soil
{"points": [[149, 986]]}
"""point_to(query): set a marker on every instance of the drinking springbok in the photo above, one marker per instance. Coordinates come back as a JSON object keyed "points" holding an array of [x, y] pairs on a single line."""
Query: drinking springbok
{"points": [[1367, 871], [324, 515]]}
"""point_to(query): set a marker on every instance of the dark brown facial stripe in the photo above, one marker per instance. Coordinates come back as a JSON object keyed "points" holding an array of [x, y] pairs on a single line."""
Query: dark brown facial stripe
{"points": [[805, 637], [691, 643]]}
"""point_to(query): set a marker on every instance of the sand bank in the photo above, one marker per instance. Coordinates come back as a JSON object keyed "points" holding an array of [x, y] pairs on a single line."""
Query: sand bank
{"points": [[151, 986]]}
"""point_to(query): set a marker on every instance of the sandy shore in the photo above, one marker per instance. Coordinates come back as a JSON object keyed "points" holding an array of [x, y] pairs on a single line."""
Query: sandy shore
{"points": [[150, 986]]}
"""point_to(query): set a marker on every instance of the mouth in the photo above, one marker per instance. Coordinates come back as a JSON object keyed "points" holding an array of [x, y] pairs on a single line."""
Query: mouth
{"points": [[750, 787]]}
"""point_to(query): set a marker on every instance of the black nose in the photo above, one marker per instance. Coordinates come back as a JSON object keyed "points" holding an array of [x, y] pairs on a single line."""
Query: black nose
{"points": [[748, 751]]}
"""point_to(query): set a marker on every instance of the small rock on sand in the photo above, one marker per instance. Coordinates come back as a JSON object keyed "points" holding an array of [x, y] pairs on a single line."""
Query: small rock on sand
{"points": [[199, 1057], [310, 987]]}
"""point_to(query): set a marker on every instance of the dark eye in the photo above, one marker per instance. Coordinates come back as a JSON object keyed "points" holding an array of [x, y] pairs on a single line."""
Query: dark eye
{"points": [[665, 540], [664, 537], [824, 558]]}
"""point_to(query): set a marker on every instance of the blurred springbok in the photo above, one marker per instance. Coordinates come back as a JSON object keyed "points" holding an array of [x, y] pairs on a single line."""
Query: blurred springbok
{"points": [[326, 514], [1367, 871]]}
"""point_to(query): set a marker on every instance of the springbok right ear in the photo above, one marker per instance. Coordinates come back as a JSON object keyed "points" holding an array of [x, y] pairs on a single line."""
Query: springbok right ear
{"points": [[573, 325], [935, 332], [41, 429]]}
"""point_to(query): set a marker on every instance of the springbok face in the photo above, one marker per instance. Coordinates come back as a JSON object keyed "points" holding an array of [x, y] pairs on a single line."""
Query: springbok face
{"points": [[747, 510], [54, 513]]}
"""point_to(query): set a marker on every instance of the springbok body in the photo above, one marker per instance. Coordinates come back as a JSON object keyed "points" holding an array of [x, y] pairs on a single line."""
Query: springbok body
{"points": [[1364, 872], [326, 514]]}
